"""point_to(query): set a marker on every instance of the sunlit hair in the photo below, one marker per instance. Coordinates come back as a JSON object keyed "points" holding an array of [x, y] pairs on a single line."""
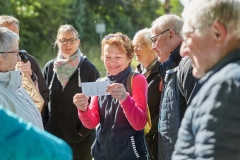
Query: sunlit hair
{"points": [[8, 39], [64, 29], [7, 20], [122, 41], [145, 35], [205, 12], [168, 21]]}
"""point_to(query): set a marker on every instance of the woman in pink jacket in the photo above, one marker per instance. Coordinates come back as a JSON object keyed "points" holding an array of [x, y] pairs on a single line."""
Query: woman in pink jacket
{"points": [[121, 116]]}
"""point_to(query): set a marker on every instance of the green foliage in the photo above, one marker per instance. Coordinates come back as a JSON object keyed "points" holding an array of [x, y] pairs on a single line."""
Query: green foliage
{"points": [[40, 20]]}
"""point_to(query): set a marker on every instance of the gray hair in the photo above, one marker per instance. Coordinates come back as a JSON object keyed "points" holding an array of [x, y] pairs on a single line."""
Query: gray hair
{"points": [[168, 21], [6, 20], [64, 29], [144, 34], [205, 12], [8, 39]]}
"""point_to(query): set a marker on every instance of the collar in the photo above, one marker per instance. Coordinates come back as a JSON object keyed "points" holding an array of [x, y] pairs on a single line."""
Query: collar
{"points": [[231, 57], [175, 54], [120, 76], [172, 61], [148, 70], [12, 79]]}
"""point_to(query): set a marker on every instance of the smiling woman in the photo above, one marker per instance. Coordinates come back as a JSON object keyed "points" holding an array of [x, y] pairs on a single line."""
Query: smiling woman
{"points": [[118, 111]]}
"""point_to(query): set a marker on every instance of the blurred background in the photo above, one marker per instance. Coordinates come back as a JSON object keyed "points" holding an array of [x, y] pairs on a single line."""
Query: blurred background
{"points": [[40, 20]]}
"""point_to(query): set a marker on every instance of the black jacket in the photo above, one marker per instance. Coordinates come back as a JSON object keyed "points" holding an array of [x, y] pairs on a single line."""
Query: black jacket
{"points": [[42, 86], [154, 95], [61, 116]]}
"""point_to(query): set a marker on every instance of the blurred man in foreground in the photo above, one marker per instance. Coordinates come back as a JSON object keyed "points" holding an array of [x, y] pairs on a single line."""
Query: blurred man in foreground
{"points": [[210, 127]]}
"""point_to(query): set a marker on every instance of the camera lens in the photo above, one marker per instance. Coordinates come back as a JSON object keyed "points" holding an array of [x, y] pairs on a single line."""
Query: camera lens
{"points": [[23, 55]]}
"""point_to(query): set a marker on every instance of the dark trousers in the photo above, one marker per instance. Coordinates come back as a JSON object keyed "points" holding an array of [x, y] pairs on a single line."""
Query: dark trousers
{"points": [[152, 141], [82, 150]]}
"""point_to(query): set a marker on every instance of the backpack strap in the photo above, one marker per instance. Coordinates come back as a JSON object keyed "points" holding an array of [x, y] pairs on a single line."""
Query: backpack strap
{"points": [[129, 82]]}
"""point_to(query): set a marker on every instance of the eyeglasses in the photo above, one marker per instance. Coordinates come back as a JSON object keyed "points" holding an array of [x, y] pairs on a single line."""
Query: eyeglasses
{"points": [[139, 46], [13, 52], [154, 38], [192, 30], [71, 40], [123, 37]]}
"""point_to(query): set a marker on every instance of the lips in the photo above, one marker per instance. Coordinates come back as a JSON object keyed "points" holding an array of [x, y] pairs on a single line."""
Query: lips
{"points": [[114, 67]]}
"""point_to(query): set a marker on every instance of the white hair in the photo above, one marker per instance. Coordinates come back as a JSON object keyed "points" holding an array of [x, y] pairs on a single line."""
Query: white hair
{"points": [[204, 12], [8, 39], [144, 34], [168, 21]]}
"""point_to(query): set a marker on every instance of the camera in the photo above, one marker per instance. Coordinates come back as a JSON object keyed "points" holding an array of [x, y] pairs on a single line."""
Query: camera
{"points": [[23, 55]]}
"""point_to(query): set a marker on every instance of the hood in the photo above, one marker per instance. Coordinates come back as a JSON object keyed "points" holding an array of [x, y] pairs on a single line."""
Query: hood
{"points": [[12, 79]]}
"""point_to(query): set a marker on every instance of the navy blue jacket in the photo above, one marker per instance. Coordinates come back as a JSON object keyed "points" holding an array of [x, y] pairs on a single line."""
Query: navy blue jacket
{"points": [[116, 139], [210, 128], [174, 101]]}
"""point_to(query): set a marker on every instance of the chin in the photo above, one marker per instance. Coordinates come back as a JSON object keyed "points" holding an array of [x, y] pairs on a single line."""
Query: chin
{"points": [[197, 73]]}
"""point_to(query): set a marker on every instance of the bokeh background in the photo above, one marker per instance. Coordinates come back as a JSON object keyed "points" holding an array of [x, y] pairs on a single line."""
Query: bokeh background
{"points": [[40, 20]]}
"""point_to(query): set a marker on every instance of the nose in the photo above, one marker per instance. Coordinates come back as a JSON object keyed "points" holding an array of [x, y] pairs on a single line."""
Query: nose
{"points": [[184, 49], [154, 47]]}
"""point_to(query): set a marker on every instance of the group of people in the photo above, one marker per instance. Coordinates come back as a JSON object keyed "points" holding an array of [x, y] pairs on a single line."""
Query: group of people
{"points": [[188, 78]]}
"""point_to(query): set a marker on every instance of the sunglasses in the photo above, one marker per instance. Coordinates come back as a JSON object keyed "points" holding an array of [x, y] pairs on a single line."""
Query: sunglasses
{"points": [[123, 37]]}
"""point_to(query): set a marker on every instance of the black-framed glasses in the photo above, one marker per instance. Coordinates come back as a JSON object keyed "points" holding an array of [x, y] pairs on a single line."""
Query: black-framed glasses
{"points": [[123, 37], [138, 46], [12, 52], [154, 38], [71, 40], [192, 30]]}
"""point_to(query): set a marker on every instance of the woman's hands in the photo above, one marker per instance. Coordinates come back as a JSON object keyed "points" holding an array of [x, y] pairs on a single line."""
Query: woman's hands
{"points": [[117, 90], [26, 67], [81, 101]]}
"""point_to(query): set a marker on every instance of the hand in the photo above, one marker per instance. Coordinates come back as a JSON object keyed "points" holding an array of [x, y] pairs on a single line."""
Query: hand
{"points": [[81, 101], [117, 90], [26, 67]]}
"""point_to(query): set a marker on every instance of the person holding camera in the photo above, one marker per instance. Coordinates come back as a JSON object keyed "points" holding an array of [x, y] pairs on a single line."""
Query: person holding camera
{"points": [[12, 95], [30, 66]]}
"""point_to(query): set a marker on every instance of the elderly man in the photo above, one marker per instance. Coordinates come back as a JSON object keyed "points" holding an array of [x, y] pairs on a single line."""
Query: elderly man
{"points": [[210, 128], [31, 67], [167, 40], [12, 95]]}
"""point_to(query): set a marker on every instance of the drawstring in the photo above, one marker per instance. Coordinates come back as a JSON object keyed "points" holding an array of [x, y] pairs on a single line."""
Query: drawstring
{"points": [[79, 78], [50, 86]]}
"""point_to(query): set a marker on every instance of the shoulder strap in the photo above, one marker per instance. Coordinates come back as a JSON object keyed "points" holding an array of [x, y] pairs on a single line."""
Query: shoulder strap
{"points": [[129, 82]]}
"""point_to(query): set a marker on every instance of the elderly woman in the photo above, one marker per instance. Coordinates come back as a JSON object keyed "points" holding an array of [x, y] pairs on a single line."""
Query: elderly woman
{"points": [[121, 117], [148, 66], [64, 75], [12, 95]]}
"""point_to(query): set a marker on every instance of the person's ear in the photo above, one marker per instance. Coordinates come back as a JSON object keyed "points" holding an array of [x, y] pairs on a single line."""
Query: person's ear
{"points": [[219, 32], [171, 33]]}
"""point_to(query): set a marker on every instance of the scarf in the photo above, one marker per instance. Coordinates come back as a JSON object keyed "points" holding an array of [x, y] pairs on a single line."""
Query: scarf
{"points": [[147, 71], [64, 68]]}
